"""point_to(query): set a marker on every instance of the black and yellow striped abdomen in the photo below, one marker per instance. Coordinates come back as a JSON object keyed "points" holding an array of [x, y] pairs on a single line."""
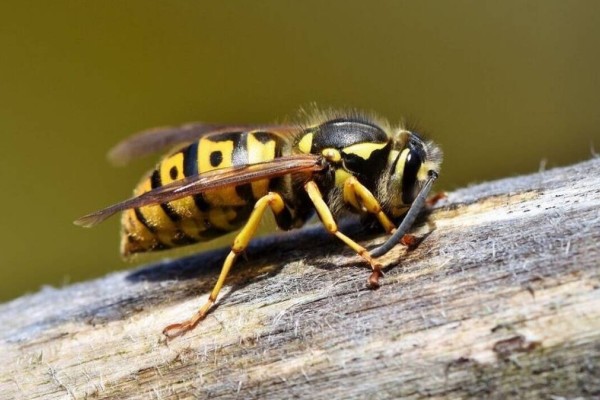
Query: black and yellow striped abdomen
{"points": [[207, 215]]}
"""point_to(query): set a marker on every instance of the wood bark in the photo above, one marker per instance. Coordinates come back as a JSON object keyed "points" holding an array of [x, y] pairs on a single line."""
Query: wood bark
{"points": [[500, 299]]}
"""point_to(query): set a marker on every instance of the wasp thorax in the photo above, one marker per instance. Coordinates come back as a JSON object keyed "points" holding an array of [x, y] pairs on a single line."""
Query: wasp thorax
{"points": [[353, 147]]}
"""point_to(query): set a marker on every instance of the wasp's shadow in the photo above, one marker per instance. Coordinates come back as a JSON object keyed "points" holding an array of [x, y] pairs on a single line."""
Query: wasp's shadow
{"points": [[284, 246], [288, 246], [195, 275]]}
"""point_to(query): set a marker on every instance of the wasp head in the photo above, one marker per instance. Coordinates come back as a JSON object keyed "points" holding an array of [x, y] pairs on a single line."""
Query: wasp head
{"points": [[410, 164]]}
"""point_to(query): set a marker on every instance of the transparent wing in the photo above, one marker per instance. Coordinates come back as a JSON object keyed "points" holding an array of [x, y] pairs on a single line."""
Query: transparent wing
{"points": [[215, 179], [156, 139]]}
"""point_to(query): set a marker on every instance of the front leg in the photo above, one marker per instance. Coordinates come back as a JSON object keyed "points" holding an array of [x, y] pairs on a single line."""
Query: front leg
{"points": [[329, 222], [361, 198]]}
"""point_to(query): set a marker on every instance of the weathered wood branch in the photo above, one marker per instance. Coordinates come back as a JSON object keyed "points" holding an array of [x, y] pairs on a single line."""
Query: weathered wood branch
{"points": [[502, 298]]}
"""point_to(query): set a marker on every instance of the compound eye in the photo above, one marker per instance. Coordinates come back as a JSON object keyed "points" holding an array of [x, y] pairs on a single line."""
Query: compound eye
{"points": [[409, 176], [413, 161]]}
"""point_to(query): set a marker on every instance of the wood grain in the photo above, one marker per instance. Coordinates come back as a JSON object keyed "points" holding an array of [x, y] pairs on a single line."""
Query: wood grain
{"points": [[501, 299]]}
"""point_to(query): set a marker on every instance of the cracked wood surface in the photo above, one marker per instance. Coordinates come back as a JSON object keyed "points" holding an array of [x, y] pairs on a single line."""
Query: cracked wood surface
{"points": [[501, 299]]}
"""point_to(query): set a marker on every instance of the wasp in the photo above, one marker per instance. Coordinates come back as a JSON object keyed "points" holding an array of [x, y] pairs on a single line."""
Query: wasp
{"points": [[225, 177]]}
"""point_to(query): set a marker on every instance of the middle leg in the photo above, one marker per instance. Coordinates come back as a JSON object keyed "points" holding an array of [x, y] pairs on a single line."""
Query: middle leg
{"points": [[329, 222], [361, 198]]}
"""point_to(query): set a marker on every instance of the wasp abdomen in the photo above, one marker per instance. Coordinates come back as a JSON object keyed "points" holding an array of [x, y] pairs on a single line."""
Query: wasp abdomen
{"points": [[207, 215]]}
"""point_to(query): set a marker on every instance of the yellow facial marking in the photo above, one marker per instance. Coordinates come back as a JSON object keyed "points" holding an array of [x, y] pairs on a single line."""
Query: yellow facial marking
{"points": [[259, 152], [332, 155], [364, 150], [392, 156], [423, 172], [401, 162], [305, 144]]}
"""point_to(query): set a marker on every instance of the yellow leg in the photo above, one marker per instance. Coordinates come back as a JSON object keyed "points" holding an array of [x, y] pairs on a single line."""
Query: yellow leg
{"points": [[276, 203], [359, 197], [328, 221]]}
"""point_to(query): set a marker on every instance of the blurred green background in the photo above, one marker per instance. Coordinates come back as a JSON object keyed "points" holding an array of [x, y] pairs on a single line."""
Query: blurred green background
{"points": [[501, 85]]}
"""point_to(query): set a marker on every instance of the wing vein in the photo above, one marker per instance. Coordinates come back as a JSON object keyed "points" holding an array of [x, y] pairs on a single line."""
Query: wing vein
{"points": [[213, 180]]}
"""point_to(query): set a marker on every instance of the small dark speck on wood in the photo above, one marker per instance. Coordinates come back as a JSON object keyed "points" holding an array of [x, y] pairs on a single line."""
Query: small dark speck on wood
{"points": [[501, 299]]}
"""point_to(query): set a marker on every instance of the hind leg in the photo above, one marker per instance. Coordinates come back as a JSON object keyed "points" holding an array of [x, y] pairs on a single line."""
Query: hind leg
{"points": [[270, 200]]}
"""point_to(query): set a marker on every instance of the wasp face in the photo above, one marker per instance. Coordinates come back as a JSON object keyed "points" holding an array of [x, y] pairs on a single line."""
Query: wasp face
{"points": [[409, 166]]}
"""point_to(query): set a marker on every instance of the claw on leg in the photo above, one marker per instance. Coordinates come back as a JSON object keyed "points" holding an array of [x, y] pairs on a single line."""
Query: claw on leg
{"points": [[181, 328], [330, 224], [373, 281], [410, 241]]}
